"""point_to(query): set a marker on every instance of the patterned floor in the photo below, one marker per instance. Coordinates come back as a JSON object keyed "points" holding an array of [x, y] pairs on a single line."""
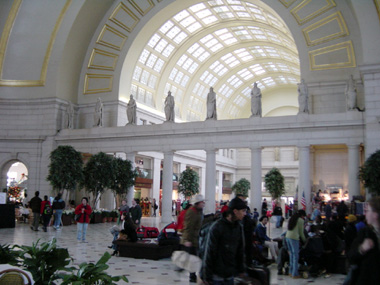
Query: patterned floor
{"points": [[138, 271]]}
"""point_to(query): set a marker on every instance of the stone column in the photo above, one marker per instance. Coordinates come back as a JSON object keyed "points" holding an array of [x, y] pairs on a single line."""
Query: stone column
{"points": [[256, 180], [202, 181], [156, 179], [220, 183], [353, 169], [210, 181], [304, 177], [167, 188], [131, 191]]}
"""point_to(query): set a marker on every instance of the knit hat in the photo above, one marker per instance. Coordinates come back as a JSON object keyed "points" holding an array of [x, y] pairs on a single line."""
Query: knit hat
{"points": [[351, 218], [237, 203]]}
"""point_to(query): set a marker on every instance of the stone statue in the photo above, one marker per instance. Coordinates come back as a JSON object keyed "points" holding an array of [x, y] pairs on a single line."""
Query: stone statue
{"points": [[98, 116], [256, 101], [303, 97], [169, 107], [70, 116], [131, 111], [351, 94], [211, 105]]}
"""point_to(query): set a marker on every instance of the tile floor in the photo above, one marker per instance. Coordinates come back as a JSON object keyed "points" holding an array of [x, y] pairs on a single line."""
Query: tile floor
{"points": [[138, 271]]}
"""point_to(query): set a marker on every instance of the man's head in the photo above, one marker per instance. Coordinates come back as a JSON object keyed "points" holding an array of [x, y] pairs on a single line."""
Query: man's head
{"points": [[37, 193], [238, 208], [134, 202], [124, 202]]}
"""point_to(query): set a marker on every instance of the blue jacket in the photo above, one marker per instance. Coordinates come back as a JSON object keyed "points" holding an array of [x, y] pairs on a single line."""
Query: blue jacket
{"points": [[261, 233]]}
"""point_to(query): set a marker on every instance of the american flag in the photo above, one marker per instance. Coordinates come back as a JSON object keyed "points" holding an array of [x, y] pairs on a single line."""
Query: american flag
{"points": [[303, 201]]}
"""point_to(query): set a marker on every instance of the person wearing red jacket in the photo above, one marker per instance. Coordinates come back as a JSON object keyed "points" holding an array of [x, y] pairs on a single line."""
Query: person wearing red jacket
{"points": [[181, 218], [84, 210], [46, 212]]}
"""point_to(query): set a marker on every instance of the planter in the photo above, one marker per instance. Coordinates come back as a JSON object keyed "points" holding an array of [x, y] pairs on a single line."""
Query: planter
{"points": [[115, 219], [104, 220], [96, 218], [109, 219], [66, 220]]}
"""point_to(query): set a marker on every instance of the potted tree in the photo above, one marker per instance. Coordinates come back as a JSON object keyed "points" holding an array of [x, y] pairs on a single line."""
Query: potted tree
{"points": [[124, 178], [65, 169], [241, 187], [274, 183], [98, 175], [188, 184], [369, 173], [115, 215]]}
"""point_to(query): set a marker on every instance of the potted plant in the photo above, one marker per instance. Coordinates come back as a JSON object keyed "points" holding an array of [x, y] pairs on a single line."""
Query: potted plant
{"points": [[369, 173], [114, 214], [8, 255], [96, 216], [274, 183], [241, 187], [90, 273], [188, 183], [105, 215], [67, 217], [44, 260]]}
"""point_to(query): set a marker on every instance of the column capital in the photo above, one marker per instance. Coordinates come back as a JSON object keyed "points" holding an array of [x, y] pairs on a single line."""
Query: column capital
{"points": [[210, 150], [304, 147], [353, 146], [168, 152]]}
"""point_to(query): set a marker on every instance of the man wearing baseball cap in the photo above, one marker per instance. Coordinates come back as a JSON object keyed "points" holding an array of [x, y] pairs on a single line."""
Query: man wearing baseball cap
{"points": [[224, 252]]}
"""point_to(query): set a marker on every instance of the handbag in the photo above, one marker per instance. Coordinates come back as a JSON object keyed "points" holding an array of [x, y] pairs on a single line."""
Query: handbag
{"points": [[187, 261], [77, 217]]}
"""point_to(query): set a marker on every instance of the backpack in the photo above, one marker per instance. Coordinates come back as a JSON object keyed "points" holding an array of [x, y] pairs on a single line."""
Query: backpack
{"points": [[47, 209], [147, 232], [169, 235]]}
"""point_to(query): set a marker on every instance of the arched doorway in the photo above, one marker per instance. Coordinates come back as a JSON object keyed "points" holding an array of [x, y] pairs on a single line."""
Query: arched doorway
{"points": [[16, 182]]}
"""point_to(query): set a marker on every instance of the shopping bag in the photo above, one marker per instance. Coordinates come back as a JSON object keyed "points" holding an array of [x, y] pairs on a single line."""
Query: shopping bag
{"points": [[187, 261]]}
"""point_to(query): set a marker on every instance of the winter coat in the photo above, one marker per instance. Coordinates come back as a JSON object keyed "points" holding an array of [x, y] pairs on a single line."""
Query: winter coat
{"points": [[58, 204], [35, 204], [224, 252], [84, 217], [192, 226]]}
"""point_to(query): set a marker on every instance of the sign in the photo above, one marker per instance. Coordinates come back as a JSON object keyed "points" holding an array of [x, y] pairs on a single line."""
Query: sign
{"points": [[3, 198]]}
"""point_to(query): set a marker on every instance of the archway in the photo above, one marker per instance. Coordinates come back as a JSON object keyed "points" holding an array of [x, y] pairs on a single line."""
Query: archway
{"points": [[15, 179]]}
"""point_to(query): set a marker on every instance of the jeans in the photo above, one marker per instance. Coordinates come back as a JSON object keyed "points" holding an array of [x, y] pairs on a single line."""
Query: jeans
{"points": [[81, 231], [57, 218], [294, 250], [278, 221], [36, 220], [115, 236]]}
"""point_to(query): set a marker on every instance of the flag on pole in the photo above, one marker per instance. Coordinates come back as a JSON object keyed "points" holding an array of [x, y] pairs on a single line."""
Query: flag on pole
{"points": [[303, 201]]}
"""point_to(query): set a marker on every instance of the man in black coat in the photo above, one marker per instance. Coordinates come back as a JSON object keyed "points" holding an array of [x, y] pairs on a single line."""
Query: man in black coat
{"points": [[35, 204]]}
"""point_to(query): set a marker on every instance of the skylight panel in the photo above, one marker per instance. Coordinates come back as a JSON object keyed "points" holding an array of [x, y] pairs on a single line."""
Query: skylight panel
{"points": [[152, 81], [238, 8], [222, 71], [234, 63], [153, 40], [220, 32], [262, 37], [216, 47], [230, 59], [259, 17], [137, 73], [227, 15], [234, 2], [204, 75], [187, 64], [197, 7], [220, 102], [238, 83], [178, 39], [211, 43], [243, 14], [215, 2], [144, 77], [206, 38], [225, 36], [185, 80], [221, 9], [151, 60], [182, 59], [208, 78], [209, 20], [203, 14], [229, 93], [173, 32], [192, 28], [193, 67], [188, 21], [196, 87], [173, 73], [159, 64], [193, 48], [161, 45], [168, 50], [181, 15], [166, 27], [213, 81], [144, 55], [134, 89], [216, 66], [204, 56], [200, 91], [198, 52], [255, 10], [232, 79]]}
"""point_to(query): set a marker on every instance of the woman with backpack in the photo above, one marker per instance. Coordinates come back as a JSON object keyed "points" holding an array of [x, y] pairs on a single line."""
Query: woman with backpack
{"points": [[46, 212]]}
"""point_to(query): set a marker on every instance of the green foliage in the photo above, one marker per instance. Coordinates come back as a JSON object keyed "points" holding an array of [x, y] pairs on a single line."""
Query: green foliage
{"points": [[274, 183], [98, 175], [8, 255], [91, 274], [44, 260], [241, 187], [124, 176], [369, 173], [188, 183], [65, 168]]}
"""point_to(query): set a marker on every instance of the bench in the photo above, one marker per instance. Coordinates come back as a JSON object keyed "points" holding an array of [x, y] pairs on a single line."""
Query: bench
{"points": [[144, 249]]}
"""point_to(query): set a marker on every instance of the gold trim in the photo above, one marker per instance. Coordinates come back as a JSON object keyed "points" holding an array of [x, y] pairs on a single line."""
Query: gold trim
{"points": [[100, 52], [345, 46], [113, 16], [333, 17], [288, 3], [90, 76], [329, 4], [115, 32], [138, 8], [31, 83], [377, 4]]}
